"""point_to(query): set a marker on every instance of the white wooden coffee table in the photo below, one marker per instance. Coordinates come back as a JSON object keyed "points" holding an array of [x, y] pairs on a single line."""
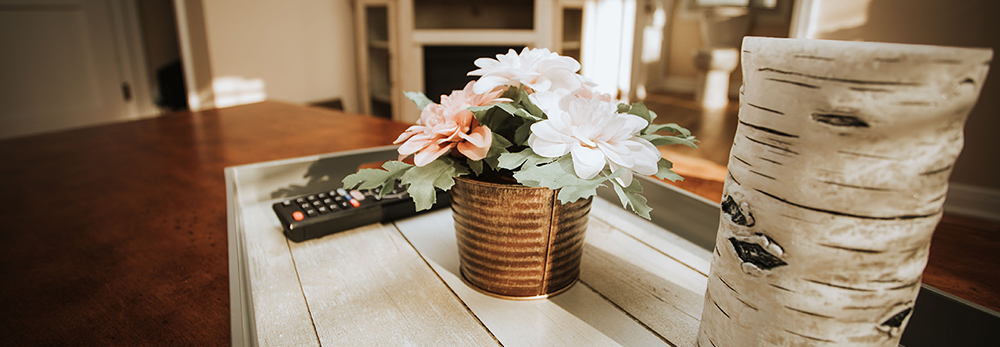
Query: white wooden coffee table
{"points": [[642, 282]]}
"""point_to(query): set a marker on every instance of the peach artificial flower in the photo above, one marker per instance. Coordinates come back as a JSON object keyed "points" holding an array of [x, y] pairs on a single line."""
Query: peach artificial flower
{"points": [[449, 126]]}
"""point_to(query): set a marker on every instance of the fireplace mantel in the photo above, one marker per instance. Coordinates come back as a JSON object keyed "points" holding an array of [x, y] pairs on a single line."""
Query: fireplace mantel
{"points": [[394, 35]]}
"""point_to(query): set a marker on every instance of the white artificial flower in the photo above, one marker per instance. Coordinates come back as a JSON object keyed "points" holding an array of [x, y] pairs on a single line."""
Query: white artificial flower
{"points": [[595, 135], [538, 69], [559, 99]]}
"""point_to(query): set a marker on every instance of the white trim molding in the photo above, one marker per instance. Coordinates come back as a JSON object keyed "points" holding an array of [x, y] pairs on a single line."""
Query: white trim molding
{"points": [[974, 201]]}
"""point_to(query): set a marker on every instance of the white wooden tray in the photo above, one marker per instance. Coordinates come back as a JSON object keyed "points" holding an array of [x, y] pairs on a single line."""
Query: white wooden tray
{"points": [[642, 282]]}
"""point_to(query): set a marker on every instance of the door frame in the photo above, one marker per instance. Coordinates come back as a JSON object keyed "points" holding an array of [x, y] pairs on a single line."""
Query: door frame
{"points": [[132, 64]]}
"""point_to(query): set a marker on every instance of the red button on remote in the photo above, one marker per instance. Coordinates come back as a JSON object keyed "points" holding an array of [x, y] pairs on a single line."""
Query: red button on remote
{"points": [[297, 215]]}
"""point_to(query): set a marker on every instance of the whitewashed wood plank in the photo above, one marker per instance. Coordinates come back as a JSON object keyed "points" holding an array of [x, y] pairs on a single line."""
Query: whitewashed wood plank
{"points": [[663, 293], [281, 314], [674, 246], [578, 317], [368, 287]]}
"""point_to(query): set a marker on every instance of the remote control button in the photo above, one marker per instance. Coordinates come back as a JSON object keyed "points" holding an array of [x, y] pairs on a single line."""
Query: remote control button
{"points": [[311, 212], [344, 204], [300, 200], [297, 215], [311, 197], [341, 191], [355, 203], [287, 203], [332, 207], [321, 195], [304, 206], [317, 203], [357, 195], [328, 201], [322, 209]]}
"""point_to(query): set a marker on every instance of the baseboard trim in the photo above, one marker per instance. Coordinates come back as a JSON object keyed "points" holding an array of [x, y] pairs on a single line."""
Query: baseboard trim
{"points": [[974, 201]]}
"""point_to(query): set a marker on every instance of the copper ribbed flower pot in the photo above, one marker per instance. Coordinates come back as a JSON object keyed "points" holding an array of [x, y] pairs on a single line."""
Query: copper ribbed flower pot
{"points": [[517, 242]]}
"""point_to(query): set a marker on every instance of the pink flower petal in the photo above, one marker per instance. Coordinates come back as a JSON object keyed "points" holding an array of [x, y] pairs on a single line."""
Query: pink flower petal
{"points": [[481, 136], [477, 144], [428, 154], [412, 130], [414, 144]]}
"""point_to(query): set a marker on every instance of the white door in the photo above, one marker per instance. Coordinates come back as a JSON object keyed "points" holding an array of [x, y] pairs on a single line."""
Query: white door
{"points": [[59, 66]]}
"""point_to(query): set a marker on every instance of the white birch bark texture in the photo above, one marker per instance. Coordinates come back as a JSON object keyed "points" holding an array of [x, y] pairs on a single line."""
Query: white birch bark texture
{"points": [[837, 178]]}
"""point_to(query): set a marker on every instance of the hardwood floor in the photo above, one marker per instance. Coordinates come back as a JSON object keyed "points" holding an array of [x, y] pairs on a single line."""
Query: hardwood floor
{"points": [[964, 250]]}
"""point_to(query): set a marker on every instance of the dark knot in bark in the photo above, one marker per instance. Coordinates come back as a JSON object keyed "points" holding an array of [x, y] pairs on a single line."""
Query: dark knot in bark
{"points": [[737, 214], [756, 254]]}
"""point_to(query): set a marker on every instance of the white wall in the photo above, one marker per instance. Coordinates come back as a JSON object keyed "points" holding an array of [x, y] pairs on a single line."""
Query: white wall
{"points": [[299, 51], [968, 23]]}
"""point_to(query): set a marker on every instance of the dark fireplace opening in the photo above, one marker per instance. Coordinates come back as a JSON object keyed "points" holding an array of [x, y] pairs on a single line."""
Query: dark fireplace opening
{"points": [[445, 67]]}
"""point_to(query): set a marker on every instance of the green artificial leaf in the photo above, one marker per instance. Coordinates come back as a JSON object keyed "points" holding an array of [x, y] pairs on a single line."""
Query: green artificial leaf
{"points": [[507, 107], [632, 196], [517, 111], [365, 179], [522, 134], [418, 98], [498, 120], [623, 108], [664, 171], [572, 193], [526, 157], [639, 109], [560, 175], [524, 114], [652, 116], [662, 140], [536, 160], [511, 161], [497, 148], [475, 165], [373, 178], [479, 109], [527, 105], [512, 93], [547, 175], [420, 181], [672, 127]]}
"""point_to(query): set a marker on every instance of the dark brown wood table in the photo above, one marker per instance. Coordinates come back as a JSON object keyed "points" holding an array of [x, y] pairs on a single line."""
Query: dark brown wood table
{"points": [[116, 234]]}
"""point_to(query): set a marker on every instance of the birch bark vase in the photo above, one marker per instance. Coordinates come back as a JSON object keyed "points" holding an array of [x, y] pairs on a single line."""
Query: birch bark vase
{"points": [[837, 178], [517, 242]]}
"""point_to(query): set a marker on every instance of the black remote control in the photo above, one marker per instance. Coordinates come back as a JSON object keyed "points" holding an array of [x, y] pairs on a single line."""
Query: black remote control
{"points": [[320, 214]]}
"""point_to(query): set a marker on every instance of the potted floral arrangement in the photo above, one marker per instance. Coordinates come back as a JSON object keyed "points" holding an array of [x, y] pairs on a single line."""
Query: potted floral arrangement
{"points": [[529, 125]]}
